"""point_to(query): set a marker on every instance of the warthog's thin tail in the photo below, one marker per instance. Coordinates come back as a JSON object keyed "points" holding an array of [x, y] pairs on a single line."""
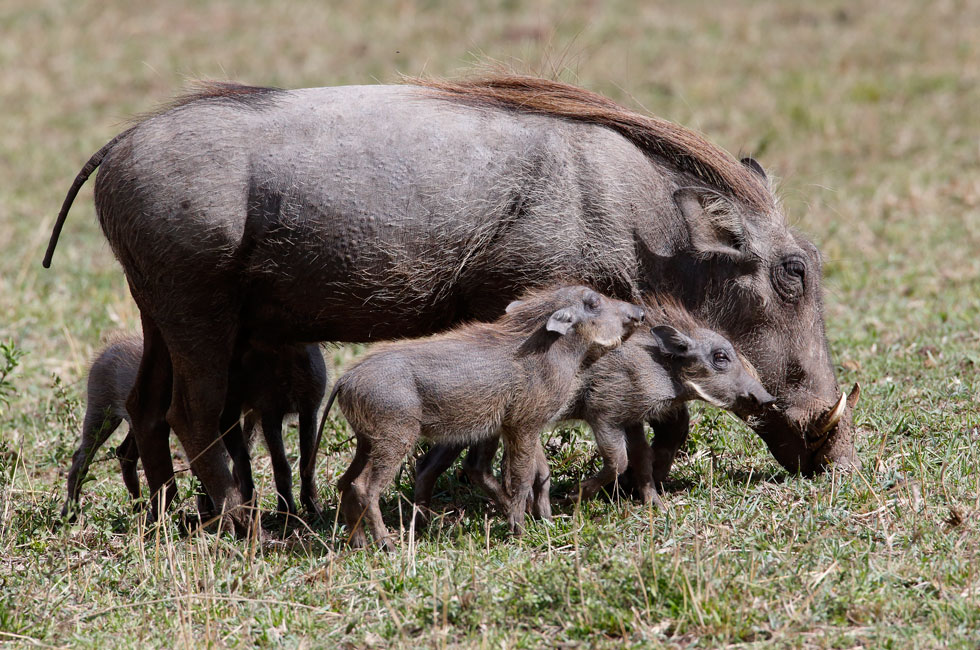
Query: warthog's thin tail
{"points": [[323, 420], [83, 175]]}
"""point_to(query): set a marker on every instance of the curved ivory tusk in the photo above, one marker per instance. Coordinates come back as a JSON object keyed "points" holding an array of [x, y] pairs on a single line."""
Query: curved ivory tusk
{"points": [[833, 417]]}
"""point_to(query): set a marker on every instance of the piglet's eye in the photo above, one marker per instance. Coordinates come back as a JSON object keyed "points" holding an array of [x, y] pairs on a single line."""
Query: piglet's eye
{"points": [[591, 301]]}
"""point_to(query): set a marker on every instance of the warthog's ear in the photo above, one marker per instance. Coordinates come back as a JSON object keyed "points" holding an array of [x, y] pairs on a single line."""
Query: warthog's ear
{"points": [[512, 306], [670, 341], [715, 228], [561, 321], [754, 165]]}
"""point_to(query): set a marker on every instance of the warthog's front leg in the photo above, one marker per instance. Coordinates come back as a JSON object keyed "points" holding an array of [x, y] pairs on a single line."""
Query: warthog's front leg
{"points": [[281, 471]]}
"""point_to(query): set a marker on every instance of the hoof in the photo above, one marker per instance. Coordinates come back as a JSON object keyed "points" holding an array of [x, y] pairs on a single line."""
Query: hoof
{"points": [[313, 508], [650, 497], [423, 516], [517, 528]]}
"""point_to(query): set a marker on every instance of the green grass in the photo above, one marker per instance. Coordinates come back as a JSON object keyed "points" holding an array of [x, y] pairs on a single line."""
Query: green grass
{"points": [[867, 110]]}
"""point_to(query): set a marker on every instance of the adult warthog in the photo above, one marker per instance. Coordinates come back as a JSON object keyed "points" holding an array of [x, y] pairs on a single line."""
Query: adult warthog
{"points": [[371, 212]]}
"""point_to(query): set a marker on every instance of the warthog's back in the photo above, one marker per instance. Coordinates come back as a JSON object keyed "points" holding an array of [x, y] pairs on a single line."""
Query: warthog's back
{"points": [[375, 200]]}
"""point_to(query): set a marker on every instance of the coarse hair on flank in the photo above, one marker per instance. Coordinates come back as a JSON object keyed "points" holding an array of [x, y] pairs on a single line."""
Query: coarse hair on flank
{"points": [[245, 96], [678, 145]]}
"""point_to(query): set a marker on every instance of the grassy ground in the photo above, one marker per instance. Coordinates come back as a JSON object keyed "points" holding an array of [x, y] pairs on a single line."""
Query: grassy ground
{"points": [[868, 111]]}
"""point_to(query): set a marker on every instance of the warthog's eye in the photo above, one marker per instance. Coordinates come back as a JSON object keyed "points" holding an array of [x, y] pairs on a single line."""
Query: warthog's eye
{"points": [[720, 359], [591, 301], [789, 278]]}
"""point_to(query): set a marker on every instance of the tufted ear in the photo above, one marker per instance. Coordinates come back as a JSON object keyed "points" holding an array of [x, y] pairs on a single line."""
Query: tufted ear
{"points": [[561, 321], [754, 165], [671, 342], [715, 229]]}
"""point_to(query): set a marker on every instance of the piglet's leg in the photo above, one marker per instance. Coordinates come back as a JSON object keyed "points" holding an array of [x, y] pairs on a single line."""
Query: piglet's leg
{"points": [[429, 468], [353, 503], [611, 441], [100, 422], [521, 449], [669, 434], [541, 504], [386, 456], [307, 459], [479, 469], [641, 462]]}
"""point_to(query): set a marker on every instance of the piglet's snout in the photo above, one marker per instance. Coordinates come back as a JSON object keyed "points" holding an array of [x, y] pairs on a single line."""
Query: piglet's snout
{"points": [[760, 398], [633, 316], [753, 401]]}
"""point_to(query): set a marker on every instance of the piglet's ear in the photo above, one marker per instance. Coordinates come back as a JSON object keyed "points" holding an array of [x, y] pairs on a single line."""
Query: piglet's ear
{"points": [[561, 321], [671, 342], [512, 306]]}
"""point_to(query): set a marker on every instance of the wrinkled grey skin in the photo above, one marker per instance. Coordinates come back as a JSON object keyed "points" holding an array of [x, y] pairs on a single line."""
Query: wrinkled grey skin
{"points": [[275, 383], [480, 381], [656, 371], [371, 212]]}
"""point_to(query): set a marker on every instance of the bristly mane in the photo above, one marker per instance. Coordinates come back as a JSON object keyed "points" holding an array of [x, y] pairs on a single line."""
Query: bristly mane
{"points": [[246, 96], [664, 309], [655, 136]]}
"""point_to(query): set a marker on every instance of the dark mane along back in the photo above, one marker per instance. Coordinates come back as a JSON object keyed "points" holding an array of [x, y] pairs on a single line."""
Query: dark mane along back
{"points": [[672, 142], [227, 91]]}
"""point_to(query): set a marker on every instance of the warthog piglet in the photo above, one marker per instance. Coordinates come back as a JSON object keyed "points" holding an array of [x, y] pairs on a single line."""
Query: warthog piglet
{"points": [[508, 378], [274, 381], [655, 371]]}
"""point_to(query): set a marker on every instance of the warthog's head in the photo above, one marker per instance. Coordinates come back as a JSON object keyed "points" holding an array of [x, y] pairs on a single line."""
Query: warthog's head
{"points": [[759, 283]]}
